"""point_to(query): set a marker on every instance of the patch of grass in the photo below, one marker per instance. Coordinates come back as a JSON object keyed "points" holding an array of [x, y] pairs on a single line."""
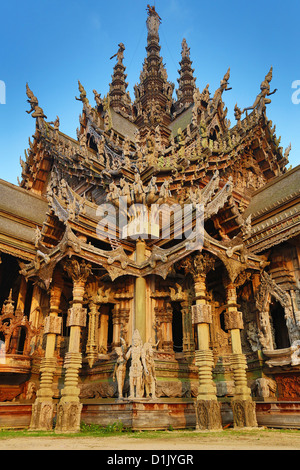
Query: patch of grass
{"points": [[115, 428], [119, 429], [86, 430]]}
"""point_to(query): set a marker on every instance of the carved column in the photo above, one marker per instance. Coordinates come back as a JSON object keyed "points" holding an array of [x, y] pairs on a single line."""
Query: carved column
{"points": [[43, 408], [182, 297], [242, 405], [35, 306], [103, 329], [92, 342], [120, 321], [140, 293], [69, 407], [163, 321], [188, 339], [208, 412]]}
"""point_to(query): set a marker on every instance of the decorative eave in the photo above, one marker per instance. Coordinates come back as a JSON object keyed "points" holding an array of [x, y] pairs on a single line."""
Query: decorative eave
{"points": [[20, 213], [276, 230], [117, 264], [275, 212], [71, 212]]}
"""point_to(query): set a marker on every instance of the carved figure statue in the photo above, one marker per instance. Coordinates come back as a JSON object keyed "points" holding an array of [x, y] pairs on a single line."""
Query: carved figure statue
{"points": [[120, 368], [165, 192], [138, 191], [138, 365], [150, 378], [223, 87], [237, 113], [125, 190], [119, 54], [36, 111], [55, 123], [264, 388], [98, 99], [152, 11], [296, 353], [83, 96], [152, 191], [261, 99], [185, 49]]}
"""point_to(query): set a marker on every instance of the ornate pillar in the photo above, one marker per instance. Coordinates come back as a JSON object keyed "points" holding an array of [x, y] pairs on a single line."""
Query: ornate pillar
{"points": [[243, 407], [69, 407], [208, 412], [188, 338], [43, 408], [92, 342], [35, 306], [140, 293], [163, 322], [103, 330]]}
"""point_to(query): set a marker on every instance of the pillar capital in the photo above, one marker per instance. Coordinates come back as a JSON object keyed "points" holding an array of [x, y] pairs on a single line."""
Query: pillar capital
{"points": [[198, 265], [78, 271]]}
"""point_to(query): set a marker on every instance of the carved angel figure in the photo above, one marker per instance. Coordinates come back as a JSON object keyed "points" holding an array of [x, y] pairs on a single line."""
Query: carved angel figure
{"points": [[150, 377], [120, 368], [261, 99], [138, 366], [36, 111]]}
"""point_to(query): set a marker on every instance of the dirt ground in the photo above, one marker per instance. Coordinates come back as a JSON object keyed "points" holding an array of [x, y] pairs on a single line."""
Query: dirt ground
{"points": [[193, 442]]}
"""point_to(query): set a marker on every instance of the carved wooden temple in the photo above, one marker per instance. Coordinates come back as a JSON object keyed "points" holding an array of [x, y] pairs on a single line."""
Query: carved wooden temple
{"points": [[100, 320]]}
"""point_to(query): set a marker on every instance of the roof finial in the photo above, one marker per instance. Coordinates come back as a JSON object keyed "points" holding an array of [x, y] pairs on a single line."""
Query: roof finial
{"points": [[119, 54], [36, 110], [152, 12], [153, 22], [185, 49]]}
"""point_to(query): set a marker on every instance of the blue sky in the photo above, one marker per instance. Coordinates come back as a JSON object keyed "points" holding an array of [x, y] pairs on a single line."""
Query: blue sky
{"points": [[51, 44]]}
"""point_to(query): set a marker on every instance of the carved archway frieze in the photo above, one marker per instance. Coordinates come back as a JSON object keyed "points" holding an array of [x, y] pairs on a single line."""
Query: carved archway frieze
{"points": [[269, 289]]}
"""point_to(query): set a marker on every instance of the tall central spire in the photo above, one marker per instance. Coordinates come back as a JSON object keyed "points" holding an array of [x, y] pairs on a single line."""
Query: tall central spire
{"points": [[153, 95]]}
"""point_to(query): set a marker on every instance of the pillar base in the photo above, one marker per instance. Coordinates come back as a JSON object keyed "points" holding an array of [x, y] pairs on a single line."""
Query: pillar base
{"points": [[208, 415], [244, 413], [68, 417], [42, 416], [43, 408], [205, 362]]}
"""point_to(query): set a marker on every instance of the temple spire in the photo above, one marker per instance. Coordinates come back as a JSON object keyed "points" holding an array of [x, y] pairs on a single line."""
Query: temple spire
{"points": [[119, 97], [153, 95], [186, 81]]}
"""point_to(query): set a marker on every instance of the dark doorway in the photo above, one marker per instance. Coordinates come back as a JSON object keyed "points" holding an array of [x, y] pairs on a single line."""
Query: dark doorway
{"points": [[21, 341], [110, 327], [177, 328], [279, 325], [222, 321]]}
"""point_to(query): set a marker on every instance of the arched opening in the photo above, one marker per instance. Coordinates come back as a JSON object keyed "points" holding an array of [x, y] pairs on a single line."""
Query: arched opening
{"points": [[222, 321], [177, 328], [281, 334], [21, 341]]}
